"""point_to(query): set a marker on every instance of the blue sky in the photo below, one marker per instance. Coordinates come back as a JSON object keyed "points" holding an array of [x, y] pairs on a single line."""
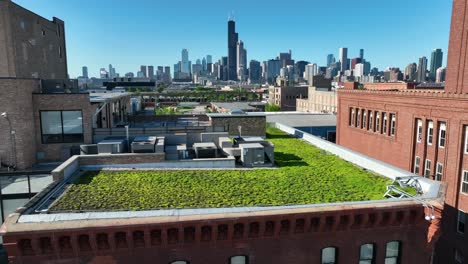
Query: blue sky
{"points": [[130, 33]]}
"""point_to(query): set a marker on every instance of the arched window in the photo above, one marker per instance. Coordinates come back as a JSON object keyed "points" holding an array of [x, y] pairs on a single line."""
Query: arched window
{"points": [[329, 255], [180, 262], [366, 254], [392, 255], [238, 260]]}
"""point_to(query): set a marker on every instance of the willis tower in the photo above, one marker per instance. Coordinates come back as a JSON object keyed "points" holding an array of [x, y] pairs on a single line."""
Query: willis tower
{"points": [[232, 50]]}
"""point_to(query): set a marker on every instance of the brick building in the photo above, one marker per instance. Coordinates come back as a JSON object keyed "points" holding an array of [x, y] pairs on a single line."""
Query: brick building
{"points": [[31, 46], [425, 132], [319, 100], [285, 97]]}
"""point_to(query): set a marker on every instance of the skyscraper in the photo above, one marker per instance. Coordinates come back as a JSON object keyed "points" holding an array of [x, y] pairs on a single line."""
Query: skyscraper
{"points": [[85, 72], [111, 71], [355, 61], [143, 70], [422, 69], [255, 72], [330, 59], [209, 59], [185, 65], [361, 54], [410, 72], [241, 61], [233, 37], [343, 59], [150, 72], [436, 62], [204, 64]]}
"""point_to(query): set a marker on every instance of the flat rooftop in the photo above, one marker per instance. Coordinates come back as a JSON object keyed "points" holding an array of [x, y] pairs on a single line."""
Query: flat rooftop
{"points": [[302, 119], [305, 175]]}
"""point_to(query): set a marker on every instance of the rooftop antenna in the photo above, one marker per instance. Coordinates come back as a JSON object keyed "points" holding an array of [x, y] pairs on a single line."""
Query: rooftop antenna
{"points": [[231, 16]]}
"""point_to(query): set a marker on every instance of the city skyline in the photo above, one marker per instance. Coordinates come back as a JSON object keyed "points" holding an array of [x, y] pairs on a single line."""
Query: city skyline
{"points": [[388, 48]]}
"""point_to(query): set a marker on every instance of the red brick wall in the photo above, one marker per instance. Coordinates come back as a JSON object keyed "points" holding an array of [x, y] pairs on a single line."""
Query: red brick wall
{"points": [[293, 238], [401, 149]]}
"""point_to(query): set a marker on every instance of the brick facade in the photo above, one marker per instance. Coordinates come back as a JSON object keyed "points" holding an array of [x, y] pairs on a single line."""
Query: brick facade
{"points": [[294, 236], [318, 101], [30, 45], [251, 125]]}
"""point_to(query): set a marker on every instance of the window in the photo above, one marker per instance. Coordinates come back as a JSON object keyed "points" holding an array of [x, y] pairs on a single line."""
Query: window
{"points": [[430, 132], [329, 255], [180, 262], [61, 127], [366, 254], [466, 139], [461, 222], [238, 260], [371, 121], [358, 123], [439, 170], [427, 168], [442, 128], [377, 122], [384, 123], [392, 255], [459, 259], [351, 117], [419, 132], [417, 161], [464, 188], [60, 51], [364, 119], [43, 32], [392, 124]]}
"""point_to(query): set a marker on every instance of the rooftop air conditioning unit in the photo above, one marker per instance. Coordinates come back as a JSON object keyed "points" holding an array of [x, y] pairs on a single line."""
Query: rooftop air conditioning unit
{"points": [[144, 144], [112, 146]]}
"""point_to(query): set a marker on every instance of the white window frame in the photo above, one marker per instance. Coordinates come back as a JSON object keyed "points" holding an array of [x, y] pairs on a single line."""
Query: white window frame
{"points": [[439, 171], [466, 139], [364, 119], [358, 120], [464, 182], [390, 254], [430, 132], [461, 219], [384, 123], [392, 124], [371, 121], [427, 168], [324, 259], [419, 131], [442, 131], [353, 117], [417, 166], [377, 122]]}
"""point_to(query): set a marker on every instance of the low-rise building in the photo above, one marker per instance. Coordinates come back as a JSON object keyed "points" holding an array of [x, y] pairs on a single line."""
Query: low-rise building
{"points": [[285, 97], [319, 101]]}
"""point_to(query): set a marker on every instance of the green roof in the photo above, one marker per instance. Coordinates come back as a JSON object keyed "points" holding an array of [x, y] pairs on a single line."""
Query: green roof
{"points": [[306, 175]]}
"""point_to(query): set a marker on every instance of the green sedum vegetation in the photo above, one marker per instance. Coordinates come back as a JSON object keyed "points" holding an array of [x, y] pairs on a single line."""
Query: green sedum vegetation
{"points": [[306, 175]]}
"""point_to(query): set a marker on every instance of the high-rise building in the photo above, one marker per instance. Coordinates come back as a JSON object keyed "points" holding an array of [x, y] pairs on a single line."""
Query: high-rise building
{"points": [[410, 72], [367, 67], [311, 70], [241, 61], [129, 75], [361, 54], [422, 69], [185, 64], [436, 62], [273, 70], [300, 67], [440, 75], [103, 73], [233, 37], [330, 59], [358, 71], [150, 72], [85, 72], [343, 59], [143, 71], [255, 72], [355, 61], [209, 59], [111, 72], [204, 64]]}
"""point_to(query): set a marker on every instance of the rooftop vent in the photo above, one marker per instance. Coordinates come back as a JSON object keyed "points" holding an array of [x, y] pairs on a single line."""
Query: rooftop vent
{"points": [[237, 111]]}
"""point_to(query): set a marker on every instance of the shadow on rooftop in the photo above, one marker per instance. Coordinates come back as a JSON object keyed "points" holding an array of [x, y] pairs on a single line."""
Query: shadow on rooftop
{"points": [[289, 160]]}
